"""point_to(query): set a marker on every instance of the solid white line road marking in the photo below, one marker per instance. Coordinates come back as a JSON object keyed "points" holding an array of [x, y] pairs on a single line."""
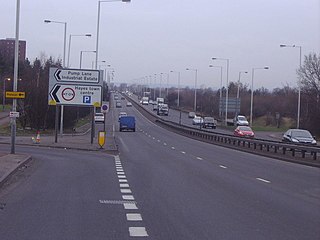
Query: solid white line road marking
{"points": [[123, 180], [127, 197], [199, 158], [134, 217], [138, 232], [263, 180], [222, 166], [124, 185], [125, 190], [130, 206]]}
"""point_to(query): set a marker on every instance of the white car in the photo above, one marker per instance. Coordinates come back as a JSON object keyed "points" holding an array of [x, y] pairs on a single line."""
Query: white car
{"points": [[240, 120], [197, 120], [122, 114], [99, 118], [129, 104]]}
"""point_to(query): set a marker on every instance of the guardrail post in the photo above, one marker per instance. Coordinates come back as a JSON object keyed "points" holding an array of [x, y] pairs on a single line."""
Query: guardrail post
{"points": [[283, 150], [293, 152], [268, 147], [303, 153]]}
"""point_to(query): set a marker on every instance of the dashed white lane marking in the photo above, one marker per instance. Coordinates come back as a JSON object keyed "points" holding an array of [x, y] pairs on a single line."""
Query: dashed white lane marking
{"points": [[263, 180], [123, 180], [125, 190], [134, 217], [124, 185], [122, 176], [127, 197], [138, 232], [165, 144], [222, 166], [131, 206], [199, 158], [173, 148], [153, 138], [183, 152], [120, 173], [158, 140]]}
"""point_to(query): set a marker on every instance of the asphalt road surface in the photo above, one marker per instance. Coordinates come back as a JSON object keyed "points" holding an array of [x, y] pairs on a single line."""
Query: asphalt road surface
{"points": [[160, 186]]}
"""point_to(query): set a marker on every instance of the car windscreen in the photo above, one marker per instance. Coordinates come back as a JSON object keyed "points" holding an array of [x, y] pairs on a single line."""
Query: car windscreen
{"points": [[299, 133], [245, 128], [242, 118]]}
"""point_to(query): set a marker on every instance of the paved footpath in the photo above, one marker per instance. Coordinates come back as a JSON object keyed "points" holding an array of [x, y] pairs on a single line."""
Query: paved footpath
{"points": [[9, 163]]}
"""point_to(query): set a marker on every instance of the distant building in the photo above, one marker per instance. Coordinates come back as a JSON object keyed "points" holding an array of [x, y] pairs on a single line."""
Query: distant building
{"points": [[7, 49]]}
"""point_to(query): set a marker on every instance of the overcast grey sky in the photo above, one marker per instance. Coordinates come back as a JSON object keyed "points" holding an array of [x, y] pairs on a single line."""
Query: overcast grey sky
{"points": [[146, 37]]}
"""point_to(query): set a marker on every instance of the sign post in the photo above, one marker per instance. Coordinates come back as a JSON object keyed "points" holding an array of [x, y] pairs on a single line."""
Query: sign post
{"points": [[75, 87]]}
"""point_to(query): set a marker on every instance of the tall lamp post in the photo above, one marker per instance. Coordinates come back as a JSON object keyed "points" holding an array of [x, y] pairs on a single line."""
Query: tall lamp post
{"points": [[178, 101], [64, 41], [64, 65], [98, 26], [299, 87], [154, 90], [238, 90], [251, 102], [195, 87], [227, 87], [69, 48], [220, 92], [81, 52]]}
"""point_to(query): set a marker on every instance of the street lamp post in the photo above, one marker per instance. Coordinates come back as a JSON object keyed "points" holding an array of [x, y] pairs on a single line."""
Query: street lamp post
{"points": [[220, 92], [160, 84], [195, 87], [238, 90], [178, 101], [251, 102], [98, 26], [81, 52], [64, 41], [154, 90], [69, 48], [64, 65], [227, 86], [299, 87]]}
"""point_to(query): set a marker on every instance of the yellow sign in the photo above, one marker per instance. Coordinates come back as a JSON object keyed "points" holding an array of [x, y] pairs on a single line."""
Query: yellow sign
{"points": [[52, 102], [97, 104], [101, 138], [15, 94]]}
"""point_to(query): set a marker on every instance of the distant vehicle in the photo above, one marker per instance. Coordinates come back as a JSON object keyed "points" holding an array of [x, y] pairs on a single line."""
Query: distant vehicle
{"points": [[160, 100], [129, 104], [154, 106], [127, 123], [240, 120], [115, 97], [99, 118], [118, 104], [150, 101], [122, 114], [191, 114], [243, 131], [163, 109], [197, 120], [299, 136], [122, 98], [209, 122], [145, 100]]}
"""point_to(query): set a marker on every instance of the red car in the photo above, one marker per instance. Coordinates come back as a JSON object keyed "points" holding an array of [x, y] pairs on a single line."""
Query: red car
{"points": [[243, 131]]}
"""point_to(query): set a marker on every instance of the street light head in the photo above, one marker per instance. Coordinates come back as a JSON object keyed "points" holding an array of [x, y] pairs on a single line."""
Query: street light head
{"points": [[88, 35], [283, 45], [245, 72], [187, 69], [47, 21], [126, 1], [266, 67]]}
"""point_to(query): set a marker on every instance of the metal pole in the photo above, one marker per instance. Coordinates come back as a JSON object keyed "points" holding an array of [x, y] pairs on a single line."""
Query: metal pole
{"points": [[160, 83], [69, 47], [251, 102], [97, 40], [299, 92], [195, 91], [154, 89], [227, 93], [15, 79], [64, 44], [80, 58], [238, 91], [4, 94], [178, 103], [167, 85]]}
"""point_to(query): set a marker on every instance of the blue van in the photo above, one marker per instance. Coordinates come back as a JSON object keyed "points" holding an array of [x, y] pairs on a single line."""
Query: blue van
{"points": [[127, 123]]}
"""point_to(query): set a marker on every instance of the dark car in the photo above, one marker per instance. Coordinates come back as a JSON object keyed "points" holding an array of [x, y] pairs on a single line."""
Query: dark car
{"points": [[209, 122], [243, 131], [300, 136]]}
